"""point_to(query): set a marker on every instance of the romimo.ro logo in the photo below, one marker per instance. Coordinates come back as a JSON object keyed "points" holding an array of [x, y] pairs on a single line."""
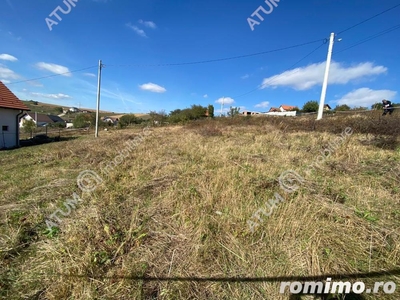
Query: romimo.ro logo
{"points": [[340, 287]]}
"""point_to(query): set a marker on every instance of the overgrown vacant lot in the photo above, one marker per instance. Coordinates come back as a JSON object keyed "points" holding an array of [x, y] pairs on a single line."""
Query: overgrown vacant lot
{"points": [[178, 207]]}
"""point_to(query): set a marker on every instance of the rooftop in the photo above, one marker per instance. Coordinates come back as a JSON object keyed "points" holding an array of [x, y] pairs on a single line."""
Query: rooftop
{"points": [[9, 100]]}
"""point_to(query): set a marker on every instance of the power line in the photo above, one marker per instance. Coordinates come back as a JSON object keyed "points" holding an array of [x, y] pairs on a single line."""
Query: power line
{"points": [[176, 64], [371, 37], [234, 57], [366, 20], [276, 77], [334, 53], [59, 74], [218, 59]]}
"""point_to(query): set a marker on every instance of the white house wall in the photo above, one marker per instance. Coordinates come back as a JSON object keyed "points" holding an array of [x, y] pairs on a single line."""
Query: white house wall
{"points": [[285, 113], [25, 118], [8, 139]]}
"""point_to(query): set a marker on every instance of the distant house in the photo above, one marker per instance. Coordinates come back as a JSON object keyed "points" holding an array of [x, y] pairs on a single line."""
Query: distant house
{"points": [[40, 119], [74, 109], [250, 113], [57, 119], [282, 113], [11, 110], [327, 107], [111, 120], [274, 109], [287, 108]]}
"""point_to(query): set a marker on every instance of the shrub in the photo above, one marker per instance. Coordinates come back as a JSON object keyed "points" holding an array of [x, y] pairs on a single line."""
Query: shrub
{"points": [[310, 106]]}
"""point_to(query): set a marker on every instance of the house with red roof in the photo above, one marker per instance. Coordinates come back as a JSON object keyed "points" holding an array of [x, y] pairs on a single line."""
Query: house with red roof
{"points": [[284, 107], [11, 110]]}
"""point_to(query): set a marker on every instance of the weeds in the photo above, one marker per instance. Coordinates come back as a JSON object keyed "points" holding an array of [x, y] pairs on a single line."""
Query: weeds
{"points": [[178, 206]]}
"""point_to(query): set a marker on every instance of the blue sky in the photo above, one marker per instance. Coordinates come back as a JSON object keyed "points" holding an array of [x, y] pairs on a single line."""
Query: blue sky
{"points": [[132, 38]]}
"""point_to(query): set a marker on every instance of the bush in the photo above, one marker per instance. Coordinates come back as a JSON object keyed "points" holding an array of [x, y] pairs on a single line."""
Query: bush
{"points": [[57, 125], [29, 126], [343, 107], [211, 111], [81, 121], [310, 106], [196, 112], [233, 111], [127, 120]]}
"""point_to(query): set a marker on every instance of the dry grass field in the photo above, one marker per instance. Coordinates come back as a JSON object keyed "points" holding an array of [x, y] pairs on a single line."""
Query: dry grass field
{"points": [[170, 220]]}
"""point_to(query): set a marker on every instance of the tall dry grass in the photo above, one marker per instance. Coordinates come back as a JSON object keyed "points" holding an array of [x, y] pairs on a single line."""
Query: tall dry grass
{"points": [[178, 207]]}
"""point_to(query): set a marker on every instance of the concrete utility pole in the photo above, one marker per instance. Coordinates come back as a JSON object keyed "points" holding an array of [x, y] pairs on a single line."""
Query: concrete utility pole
{"points": [[96, 134], [325, 83]]}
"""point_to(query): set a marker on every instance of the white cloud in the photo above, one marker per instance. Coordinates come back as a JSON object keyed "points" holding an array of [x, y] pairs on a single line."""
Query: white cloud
{"points": [[8, 57], [263, 104], [5, 81], [6, 73], [137, 30], [149, 24], [205, 96], [245, 76], [365, 97], [152, 87], [89, 74], [225, 100], [307, 77], [51, 96], [56, 69]]}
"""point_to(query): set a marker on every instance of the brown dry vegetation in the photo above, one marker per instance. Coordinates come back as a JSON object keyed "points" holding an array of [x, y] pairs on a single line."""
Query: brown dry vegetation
{"points": [[178, 205]]}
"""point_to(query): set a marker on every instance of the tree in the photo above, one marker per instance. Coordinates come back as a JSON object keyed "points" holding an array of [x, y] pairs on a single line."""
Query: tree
{"points": [[194, 113], [127, 120], [158, 117], [198, 111], [310, 106], [29, 126], [377, 105], [81, 121], [343, 107], [211, 111], [359, 108], [233, 111], [58, 110], [162, 115], [175, 112]]}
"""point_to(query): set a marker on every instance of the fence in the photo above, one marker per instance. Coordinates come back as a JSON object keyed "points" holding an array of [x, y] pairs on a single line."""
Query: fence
{"points": [[55, 132]]}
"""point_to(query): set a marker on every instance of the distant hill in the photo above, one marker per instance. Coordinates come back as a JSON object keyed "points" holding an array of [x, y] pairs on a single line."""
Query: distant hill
{"points": [[52, 109], [43, 108]]}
